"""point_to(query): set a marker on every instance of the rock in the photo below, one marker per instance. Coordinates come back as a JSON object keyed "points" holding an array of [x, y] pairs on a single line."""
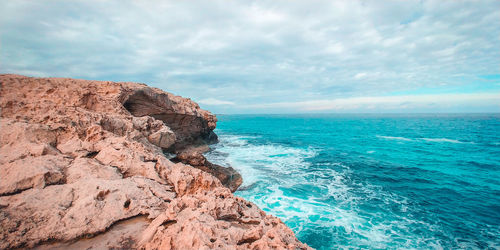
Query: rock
{"points": [[37, 172], [163, 138], [123, 234], [194, 156], [182, 115], [82, 164], [81, 209], [217, 220]]}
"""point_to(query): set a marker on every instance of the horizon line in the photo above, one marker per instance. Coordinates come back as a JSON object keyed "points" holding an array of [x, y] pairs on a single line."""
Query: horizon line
{"points": [[366, 113]]}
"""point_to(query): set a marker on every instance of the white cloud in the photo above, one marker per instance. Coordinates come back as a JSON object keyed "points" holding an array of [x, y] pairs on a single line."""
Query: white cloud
{"points": [[260, 51], [360, 75], [401, 102], [213, 101], [335, 48]]}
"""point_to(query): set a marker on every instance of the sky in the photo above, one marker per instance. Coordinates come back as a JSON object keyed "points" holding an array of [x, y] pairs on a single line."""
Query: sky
{"points": [[269, 56]]}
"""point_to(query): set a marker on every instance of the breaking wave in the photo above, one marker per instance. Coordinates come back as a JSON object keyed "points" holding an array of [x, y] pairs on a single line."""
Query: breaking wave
{"points": [[421, 139], [321, 199]]}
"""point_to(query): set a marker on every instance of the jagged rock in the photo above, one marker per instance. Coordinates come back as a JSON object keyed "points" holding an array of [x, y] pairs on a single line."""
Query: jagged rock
{"points": [[81, 209], [163, 138], [194, 157], [220, 221], [182, 115], [84, 159], [37, 172], [123, 234]]}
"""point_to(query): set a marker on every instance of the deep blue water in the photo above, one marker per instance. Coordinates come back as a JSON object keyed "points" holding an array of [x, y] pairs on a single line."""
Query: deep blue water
{"points": [[371, 181]]}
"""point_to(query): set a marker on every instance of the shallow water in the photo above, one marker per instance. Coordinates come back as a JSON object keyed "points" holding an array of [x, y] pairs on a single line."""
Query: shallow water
{"points": [[371, 181]]}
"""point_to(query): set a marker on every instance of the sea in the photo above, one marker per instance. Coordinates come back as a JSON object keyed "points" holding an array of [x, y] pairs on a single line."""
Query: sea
{"points": [[371, 181]]}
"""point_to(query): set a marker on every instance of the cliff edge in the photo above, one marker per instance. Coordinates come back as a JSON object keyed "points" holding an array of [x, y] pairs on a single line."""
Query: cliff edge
{"points": [[84, 164]]}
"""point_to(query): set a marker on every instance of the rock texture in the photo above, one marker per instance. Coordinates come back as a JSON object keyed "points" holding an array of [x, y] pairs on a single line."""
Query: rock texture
{"points": [[194, 156], [82, 164]]}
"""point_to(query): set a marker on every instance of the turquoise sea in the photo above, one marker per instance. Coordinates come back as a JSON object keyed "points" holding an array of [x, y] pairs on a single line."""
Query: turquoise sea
{"points": [[365, 181]]}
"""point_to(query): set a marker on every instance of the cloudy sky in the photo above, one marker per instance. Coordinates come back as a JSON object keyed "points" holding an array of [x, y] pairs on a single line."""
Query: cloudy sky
{"points": [[269, 56]]}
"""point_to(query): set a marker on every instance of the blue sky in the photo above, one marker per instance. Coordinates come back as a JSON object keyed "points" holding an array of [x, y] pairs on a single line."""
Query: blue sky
{"points": [[270, 56]]}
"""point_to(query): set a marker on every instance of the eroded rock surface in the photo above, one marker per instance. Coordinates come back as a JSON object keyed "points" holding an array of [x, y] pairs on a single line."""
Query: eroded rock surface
{"points": [[79, 158], [194, 156]]}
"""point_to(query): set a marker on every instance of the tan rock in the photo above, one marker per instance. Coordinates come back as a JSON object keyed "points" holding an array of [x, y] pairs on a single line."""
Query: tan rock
{"points": [[32, 172], [82, 164], [81, 209], [193, 156], [163, 138], [182, 115], [217, 220]]}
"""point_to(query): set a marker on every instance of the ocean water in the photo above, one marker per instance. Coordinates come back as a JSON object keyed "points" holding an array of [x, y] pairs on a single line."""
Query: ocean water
{"points": [[371, 181]]}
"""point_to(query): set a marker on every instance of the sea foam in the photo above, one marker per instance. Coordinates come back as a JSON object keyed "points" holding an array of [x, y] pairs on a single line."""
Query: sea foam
{"points": [[394, 138], [370, 182], [441, 140], [399, 138], [282, 182]]}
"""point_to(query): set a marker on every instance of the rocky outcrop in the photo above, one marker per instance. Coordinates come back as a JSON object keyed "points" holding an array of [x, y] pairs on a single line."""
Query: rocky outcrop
{"points": [[194, 156], [191, 124], [82, 162]]}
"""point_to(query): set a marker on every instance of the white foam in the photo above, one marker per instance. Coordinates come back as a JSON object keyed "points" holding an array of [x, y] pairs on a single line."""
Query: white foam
{"points": [[394, 138], [255, 162], [272, 171], [441, 140], [420, 139]]}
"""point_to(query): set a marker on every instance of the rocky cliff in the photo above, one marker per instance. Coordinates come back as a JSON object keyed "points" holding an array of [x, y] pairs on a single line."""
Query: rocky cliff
{"points": [[86, 164]]}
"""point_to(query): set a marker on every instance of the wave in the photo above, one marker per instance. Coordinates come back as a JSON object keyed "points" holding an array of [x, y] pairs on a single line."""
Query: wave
{"points": [[394, 138], [318, 198], [441, 140], [255, 162], [421, 139]]}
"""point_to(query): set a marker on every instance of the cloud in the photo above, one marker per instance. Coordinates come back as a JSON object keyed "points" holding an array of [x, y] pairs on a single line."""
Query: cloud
{"points": [[387, 103], [213, 101], [259, 51], [360, 75]]}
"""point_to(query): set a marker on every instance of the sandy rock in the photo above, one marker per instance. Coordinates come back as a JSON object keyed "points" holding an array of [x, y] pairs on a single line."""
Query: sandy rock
{"points": [[82, 164], [193, 156], [123, 234], [83, 168], [22, 139], [217, 220], [32, 172], [80, 209], [182, 115], [163, 138]]}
